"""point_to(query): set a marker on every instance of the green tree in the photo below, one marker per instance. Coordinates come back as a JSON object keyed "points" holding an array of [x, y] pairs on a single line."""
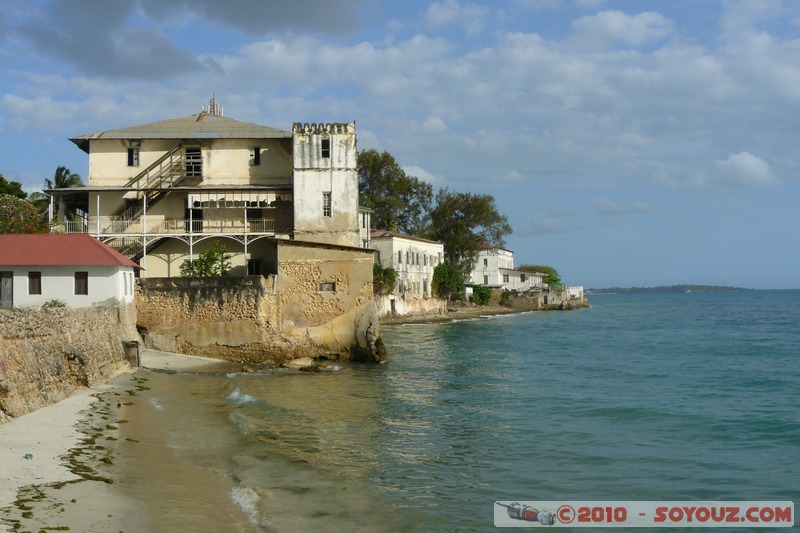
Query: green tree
{"points": [[447, 282], [63, 178], [552, 278], [214, 262], [462, 221], [14, 188], [481, 294], [20, 216], [399, 202], [383, 279]]}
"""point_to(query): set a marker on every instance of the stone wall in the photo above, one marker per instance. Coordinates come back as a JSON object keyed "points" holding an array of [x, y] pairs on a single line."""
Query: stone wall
{"points": [[47, 355], [393, 306], [228, 317], [319, 305]]}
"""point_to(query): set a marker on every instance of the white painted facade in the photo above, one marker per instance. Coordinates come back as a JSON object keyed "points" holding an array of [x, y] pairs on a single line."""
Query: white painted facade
{"points": [[326, 183], [413, 258], [106, 285], [495, 268]]}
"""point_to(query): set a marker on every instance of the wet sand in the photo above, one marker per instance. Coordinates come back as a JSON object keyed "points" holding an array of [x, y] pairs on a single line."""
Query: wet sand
{"points": [[97, 461]]}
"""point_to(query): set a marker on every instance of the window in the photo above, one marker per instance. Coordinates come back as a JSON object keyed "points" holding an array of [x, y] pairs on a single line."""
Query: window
{"points": [[255, 156], [522, 278], [327, 286], [133, 156], [505, 278], [34, 283], [485, 262], [194, 161], [326, 148], [81, 283], [417, 258], [254, 267], [485, 280], [399, 258], [326, 204]]}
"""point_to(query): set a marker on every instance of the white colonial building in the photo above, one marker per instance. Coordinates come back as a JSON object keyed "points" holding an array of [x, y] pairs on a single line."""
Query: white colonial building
{"points": [[495, 268], [162, 192], [76, 270], [413, 258]]}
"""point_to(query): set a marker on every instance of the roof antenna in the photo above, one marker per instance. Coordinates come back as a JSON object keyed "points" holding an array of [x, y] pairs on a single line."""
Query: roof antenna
{"points": [[213, 108]]}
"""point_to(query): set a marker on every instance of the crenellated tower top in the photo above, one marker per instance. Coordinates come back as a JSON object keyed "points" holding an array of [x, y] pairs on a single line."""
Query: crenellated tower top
{"points": [[324, 128]]}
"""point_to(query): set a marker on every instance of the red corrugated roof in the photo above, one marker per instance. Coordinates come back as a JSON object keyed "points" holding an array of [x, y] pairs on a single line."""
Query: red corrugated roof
{"points": [[58, 250]]}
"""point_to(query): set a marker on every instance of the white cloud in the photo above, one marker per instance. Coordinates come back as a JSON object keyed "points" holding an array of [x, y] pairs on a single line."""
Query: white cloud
{"points": [[434, 125], [608, 27], [421, 173], [609, 207], [746, 170], [470, 16]]}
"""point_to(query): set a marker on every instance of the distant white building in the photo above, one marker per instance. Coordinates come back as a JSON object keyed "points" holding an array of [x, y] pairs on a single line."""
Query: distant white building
{"points": [[413, 258], [77, 269], [495, 268]]}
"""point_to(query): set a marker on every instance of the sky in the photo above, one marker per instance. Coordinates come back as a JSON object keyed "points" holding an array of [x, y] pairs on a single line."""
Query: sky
{"points": [[629, 142]]}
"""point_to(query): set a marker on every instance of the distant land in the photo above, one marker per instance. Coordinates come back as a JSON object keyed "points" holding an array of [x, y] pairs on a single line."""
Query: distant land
{"points": [[668, 288]]}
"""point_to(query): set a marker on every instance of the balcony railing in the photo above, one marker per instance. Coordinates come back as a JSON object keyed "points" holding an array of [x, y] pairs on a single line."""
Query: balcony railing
{"points": [[164, 226]]}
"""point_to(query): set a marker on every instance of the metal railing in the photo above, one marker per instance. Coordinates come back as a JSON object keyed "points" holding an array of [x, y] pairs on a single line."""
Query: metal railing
{"points": [[178, 226]]}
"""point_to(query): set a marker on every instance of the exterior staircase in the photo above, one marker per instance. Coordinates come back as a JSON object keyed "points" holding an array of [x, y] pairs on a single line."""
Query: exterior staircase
{"points": [[151, 185]]}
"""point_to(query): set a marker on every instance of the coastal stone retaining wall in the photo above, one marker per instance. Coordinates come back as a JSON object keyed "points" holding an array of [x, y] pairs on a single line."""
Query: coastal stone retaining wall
{"points": [[318, 305], [47, 355], [392, 306], [542, 300]]}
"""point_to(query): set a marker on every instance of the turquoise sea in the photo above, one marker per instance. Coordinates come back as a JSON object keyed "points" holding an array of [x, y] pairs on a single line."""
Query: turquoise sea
{"points": [[684, 396]]}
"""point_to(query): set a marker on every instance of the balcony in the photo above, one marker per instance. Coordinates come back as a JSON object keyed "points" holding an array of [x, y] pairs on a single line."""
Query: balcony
{"points": [[102, 226]]}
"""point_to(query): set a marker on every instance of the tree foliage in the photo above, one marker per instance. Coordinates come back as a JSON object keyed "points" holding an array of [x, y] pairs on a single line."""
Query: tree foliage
{"points": [[383, 279], [214, 262], [462, 221], [552, 278], [20, 216], [13, 188], [399, 202], [447, 282], [63, 178], [481, 294]]}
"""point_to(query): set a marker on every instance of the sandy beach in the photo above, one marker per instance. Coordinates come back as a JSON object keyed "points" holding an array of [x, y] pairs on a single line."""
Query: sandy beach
{"points": [[55, 459]]}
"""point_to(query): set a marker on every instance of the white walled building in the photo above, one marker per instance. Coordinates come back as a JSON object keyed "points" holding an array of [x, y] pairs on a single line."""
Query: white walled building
{"points": [[413, 258], [495, 268], [78, 270], [162, 192]]}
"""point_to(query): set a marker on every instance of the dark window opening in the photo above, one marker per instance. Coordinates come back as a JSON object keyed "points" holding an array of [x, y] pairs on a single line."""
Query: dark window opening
{"points": [[255, 157], [81, 283], [254, 267], [34, 283], [194, 162], [327, 286], [326, 148], [133, 156]]}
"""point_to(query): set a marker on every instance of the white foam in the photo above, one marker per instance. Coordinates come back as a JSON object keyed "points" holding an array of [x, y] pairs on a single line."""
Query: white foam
{"points": [[247, 500], [155, 403], [240, 398]]}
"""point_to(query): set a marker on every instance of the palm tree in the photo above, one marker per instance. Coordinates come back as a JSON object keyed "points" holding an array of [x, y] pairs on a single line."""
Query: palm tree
{"points": [[63, 178]]}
